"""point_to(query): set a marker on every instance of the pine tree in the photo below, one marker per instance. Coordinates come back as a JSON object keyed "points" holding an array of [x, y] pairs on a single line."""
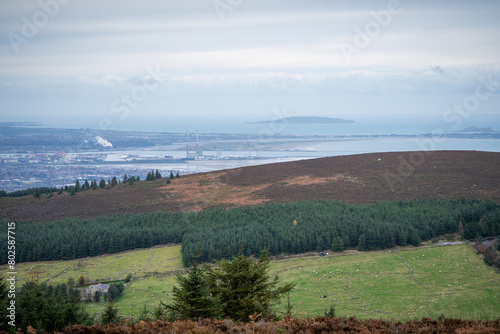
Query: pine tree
{"points": [[125, 178], [128, 278], [30, 306], [102, 184], [78, 187], [192, 299], [74, 313], [157, 175], [86, 185], [144, 313], [289, 306], [171, 175], [337, 244], [115, 291], [414, 238], [109, 315], [362, 242], [114, 181], [177, 175], [244, 286], [330, 313]]}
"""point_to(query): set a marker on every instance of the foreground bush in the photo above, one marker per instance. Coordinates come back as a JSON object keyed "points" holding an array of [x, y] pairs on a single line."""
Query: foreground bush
{"points": [[296, 325], [235, 289]]}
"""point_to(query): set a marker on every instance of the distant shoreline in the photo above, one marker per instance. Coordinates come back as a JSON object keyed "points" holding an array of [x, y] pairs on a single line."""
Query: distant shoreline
{"points": [[20, 124], [476, 129], [306, 120]]}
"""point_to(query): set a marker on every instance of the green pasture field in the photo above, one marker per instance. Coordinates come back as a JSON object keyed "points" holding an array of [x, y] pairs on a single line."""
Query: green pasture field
{"points": [[139, 263], [448, 280]]}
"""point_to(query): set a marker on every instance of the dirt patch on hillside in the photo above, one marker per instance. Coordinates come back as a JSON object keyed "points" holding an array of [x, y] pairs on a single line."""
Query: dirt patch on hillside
{"points": [[308, 180], [363, 178], [202, 191]]}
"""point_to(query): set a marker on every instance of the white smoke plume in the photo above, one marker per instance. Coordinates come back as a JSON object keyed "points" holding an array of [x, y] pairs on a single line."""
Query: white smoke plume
{"points": [[103, 142]]}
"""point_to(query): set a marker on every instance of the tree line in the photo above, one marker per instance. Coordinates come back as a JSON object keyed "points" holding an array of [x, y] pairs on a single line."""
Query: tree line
{"points": [[50, 308], [84, 185], [300, 227], [281, 228], [43, 307]]}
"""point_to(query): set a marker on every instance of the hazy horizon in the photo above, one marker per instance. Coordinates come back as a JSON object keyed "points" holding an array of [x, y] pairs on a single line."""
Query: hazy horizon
{"points": [[363, 125], [115, 65]]}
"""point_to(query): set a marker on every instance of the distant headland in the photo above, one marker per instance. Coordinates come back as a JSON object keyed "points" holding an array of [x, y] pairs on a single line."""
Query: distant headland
{"points": [[476, 129], [307, 120]]}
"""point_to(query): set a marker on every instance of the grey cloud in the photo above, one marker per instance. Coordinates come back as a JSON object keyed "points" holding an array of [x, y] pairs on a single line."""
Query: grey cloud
{"points": [[262, 49], [437, 69]]}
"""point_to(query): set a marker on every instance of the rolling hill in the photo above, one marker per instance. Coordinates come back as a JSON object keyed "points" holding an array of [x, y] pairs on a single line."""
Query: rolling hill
{"points": [[364, 178]]}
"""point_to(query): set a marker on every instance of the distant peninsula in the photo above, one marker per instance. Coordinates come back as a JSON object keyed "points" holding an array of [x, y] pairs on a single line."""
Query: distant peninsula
{"points": [[19, 124], [307, 120], [476, 129]]}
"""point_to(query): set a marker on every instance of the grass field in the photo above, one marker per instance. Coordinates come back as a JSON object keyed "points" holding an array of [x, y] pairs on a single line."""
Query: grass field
{"points": [[139, 263], [449, 280]]}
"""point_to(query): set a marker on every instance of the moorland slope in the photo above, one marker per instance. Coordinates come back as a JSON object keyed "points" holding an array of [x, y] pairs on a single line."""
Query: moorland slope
{"points": [[364, 178]]}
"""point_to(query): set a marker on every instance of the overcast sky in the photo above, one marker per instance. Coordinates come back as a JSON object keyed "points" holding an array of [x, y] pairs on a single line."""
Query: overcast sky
{"points": [[88, 61]]}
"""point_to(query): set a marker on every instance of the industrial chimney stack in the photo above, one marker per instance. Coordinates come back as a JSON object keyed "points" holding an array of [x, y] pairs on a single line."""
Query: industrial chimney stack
{"points": [[196, 142], [187, 144]]}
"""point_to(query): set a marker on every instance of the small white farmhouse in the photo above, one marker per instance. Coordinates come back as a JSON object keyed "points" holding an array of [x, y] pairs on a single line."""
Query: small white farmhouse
{"points": [[89, 292]]}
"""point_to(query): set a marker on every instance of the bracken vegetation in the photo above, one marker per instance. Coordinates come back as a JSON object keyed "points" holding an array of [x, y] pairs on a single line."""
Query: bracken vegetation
{"points": [[295, 325]]}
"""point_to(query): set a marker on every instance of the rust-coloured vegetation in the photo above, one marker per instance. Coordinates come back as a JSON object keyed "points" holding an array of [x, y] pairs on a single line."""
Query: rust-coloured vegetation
{"points": [[364, 178], [295, 325]]}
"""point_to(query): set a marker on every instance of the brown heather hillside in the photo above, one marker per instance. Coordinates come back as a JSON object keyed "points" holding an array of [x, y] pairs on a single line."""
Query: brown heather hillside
{"points": [[296, 325], [361, 178]]}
